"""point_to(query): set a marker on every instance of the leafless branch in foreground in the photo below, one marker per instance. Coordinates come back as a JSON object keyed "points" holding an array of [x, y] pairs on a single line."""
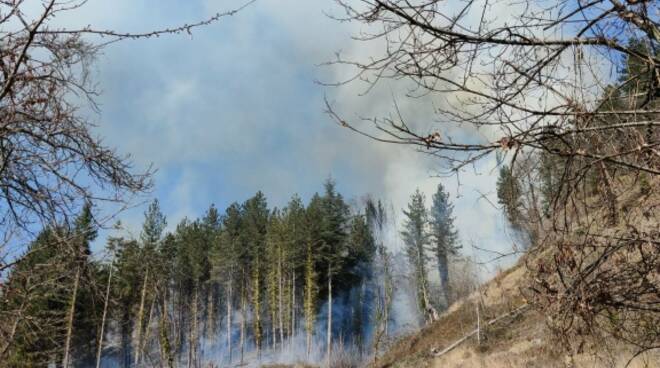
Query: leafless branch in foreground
{"points": [[51, 164], [50, 161], [566, 94]]}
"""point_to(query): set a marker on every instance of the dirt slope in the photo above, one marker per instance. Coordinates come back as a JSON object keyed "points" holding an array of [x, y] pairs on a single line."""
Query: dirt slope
{"points": [[518, 340]]}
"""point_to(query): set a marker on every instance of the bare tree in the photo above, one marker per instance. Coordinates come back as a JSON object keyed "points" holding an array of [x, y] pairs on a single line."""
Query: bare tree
{"points": [[568, 92], [51, 163], [530, 79]]}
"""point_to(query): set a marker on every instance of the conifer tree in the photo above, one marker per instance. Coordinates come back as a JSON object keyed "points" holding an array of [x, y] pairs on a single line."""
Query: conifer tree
{"points": [[81, 323], [153, 225], [165, 294], [255, 220], [358, 271], [52, 289], [509, 196], [444, 235], [152, 230], [332, 246], [376, 218], [416, 239], [211, 227], [38, 289], [226, 264], [294, 218], [275, 254], [126, 292], [313, 219]]}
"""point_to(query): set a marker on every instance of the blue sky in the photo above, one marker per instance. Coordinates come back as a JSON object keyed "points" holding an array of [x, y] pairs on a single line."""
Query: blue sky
{"points": [[236, 108]]}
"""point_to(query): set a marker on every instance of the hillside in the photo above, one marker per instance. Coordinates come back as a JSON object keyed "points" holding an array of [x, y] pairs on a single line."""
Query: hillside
{"points": [[518, 338]]}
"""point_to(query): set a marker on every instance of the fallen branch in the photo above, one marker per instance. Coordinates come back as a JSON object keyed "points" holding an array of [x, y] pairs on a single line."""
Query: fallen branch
{"points": [[451, 347]]}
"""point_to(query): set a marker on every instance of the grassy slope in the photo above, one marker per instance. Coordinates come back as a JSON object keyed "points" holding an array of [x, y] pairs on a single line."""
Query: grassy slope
{"points": [[523, 341], [519, 341]]}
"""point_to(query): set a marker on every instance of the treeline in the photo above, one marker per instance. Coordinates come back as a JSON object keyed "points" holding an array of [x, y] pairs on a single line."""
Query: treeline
{"points": [[224, 286], [258, 272]]}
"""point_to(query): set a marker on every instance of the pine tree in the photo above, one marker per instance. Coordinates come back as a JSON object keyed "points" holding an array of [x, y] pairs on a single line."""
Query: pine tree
{"points": [[81, 321], [295, 228], [275, 253], [313, 219], [194, 253], [255, 220], [211, 227], [126, 292], [52, 290], [153, 225], [416, 239], [226, 264], [332, 246], [444, 235], [376, 218], [152, 230], [166, 269], [509, 196], [358, 269], [39, 289]]}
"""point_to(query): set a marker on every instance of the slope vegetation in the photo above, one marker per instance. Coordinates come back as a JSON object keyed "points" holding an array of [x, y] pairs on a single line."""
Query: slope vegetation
{"points": [[511, 334]]}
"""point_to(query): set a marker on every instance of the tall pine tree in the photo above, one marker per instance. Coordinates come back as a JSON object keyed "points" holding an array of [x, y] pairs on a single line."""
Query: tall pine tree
{"points": [[444, 235], [416, 238]]}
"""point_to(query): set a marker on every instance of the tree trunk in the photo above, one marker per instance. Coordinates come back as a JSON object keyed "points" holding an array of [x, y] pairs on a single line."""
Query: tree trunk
{"points": [[309, 301], [308, 342], [478, 324], [443, 270], [192, 349], [138, 336], [329, 332], [165, 347], [147, 329], [386, 316], [69, 323], [229, 297], [280, 304], [273, 332], [243, 312], [428, 310], [256, 305], [432, 312], [210, 315], [105, 313], [126, 337], [177, 323], [293, 306]]}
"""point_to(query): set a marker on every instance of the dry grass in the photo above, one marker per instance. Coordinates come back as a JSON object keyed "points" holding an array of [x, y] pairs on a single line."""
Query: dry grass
{"points": [[520, 341], [498, 297]]}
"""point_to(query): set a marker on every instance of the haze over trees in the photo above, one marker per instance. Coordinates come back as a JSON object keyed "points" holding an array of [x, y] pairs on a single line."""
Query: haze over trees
{"points": [[565, 95], [245, 285]]}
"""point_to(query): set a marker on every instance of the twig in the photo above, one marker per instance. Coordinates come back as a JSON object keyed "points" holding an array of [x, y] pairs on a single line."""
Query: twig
{"points": [[474, 332]]}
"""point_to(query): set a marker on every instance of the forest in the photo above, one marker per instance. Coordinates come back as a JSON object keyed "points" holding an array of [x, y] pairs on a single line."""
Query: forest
{"points": [[542, 115], [249, 284]]}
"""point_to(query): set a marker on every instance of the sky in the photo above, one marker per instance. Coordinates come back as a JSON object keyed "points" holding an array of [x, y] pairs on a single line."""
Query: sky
{"points": [[237, 107]]}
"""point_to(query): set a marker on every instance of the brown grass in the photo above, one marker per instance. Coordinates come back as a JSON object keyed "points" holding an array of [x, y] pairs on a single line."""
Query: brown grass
{"points": [[520, 341]]}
